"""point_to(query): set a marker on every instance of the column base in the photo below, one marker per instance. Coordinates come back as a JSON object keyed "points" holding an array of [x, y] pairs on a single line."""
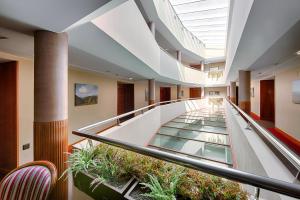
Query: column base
{"points": [[233, 100], [151, 102], [51, 143], [245, 106]]}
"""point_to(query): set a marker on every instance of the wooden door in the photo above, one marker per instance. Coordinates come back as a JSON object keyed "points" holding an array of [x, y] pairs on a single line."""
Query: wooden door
{"points": [[125, 99], [8, 116], [195, 92], [165, 94], [267, 100], [237, 95]]}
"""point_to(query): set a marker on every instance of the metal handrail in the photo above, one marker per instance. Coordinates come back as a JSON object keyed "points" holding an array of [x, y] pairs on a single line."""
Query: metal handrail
{"points": [[271, 184], [284, 150], [130, 113]]}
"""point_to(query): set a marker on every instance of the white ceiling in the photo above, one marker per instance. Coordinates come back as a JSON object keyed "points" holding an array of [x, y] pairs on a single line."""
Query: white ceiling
{"points": [[270, 37], [206, 19], [53, 15]]}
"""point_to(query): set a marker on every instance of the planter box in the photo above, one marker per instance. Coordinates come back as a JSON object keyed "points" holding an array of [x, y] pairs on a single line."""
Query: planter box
{"points": [[136, 191], [105, 191]]}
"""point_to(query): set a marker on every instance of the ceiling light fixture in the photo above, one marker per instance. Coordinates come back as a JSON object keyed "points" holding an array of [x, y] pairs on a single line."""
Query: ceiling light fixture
{"points": [[298, 53], [130, 78]]}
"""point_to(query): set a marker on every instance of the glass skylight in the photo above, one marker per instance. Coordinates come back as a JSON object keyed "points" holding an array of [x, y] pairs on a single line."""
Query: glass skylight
{"points": [[206, 19]]}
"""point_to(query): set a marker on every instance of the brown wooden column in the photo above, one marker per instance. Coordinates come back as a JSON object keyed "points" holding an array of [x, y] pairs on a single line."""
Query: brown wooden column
{"points": [[244, 90], [179, 88], [233, 92], [151, 85], [51, 103]]}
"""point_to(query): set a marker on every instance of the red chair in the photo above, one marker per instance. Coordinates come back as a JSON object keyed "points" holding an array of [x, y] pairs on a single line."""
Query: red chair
{"points": [[32, 181]]}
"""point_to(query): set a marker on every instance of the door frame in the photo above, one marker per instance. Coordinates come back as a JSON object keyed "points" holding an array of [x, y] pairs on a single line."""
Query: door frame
{"points": [[261, 97], [15, 161]]}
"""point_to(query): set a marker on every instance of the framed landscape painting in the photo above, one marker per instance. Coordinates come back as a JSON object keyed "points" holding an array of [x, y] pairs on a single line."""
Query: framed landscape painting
{"points": [[86, 94]]}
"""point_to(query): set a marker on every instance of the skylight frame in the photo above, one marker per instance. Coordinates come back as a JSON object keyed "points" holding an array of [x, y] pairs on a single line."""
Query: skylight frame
{"points": [[210, 19]]}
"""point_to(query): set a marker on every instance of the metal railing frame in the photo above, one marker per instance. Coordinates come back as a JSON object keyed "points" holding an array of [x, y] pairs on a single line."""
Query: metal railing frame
{"points": [[278, 186]]}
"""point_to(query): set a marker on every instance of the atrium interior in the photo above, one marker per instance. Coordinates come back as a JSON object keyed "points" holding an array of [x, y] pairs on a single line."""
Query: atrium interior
{"points": [[149, 99]]}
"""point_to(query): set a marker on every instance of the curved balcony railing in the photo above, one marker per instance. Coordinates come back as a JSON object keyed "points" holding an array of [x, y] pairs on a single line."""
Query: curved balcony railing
{"points": [[169, 17], [278, 186], [290, 159]]}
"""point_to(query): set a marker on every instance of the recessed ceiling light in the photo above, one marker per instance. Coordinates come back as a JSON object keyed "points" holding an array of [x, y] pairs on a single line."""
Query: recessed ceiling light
{"points": [[298, 53], [130, 78]]}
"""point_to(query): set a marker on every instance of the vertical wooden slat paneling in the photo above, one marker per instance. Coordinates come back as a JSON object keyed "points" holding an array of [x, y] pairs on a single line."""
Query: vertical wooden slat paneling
{"points": [[50, 143]]}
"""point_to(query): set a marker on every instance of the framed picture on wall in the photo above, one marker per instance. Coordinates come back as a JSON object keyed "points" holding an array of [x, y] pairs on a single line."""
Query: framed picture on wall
{"points": [[85, 94], [296, 92]]}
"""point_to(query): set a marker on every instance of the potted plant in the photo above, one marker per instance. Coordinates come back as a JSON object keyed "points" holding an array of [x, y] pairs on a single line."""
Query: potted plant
{"points": [[95, 172], [106, 172]]}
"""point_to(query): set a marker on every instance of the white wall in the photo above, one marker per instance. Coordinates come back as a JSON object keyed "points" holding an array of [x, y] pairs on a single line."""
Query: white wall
{"points": [[126, 25]]}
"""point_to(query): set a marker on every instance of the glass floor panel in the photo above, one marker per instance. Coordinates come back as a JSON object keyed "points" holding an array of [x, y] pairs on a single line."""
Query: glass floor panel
{"points": [[207, 118], [210, 151], [195, 135], [197, 127], [205, 115], [194, 157], [200, 121]]}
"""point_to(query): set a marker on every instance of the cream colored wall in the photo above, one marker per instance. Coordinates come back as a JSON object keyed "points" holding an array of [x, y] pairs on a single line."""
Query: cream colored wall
{"points": [[25, 106], [139, 94], [80, 116], [186, 92], [255, 101], [222, 90], [173, 92], [287, 114]]}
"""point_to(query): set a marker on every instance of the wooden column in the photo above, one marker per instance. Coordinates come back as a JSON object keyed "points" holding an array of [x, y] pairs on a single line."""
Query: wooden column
{"points": [[151, 85], [51, 103], [233, 92], [179, 88], [244, 90]]}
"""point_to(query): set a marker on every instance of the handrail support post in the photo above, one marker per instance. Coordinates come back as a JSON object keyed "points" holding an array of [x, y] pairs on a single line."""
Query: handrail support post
{"points": [[257, 193], [248, 127]]}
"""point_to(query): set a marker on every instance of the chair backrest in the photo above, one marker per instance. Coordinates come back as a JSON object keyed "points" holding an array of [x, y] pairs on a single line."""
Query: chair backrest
{"points": [[32, 181]]}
